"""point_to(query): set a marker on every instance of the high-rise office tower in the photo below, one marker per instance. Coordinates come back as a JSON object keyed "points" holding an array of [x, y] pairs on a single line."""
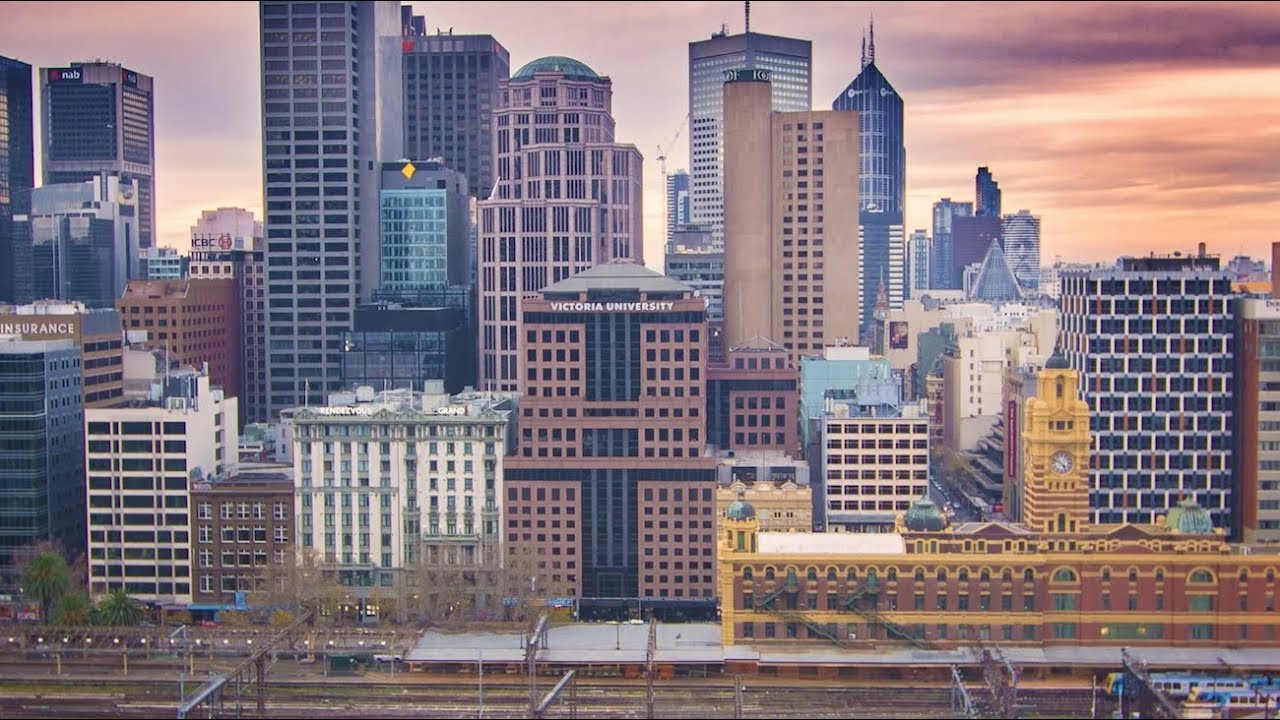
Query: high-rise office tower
{"points": [[41, 450], [450, 93], [917, 262], [1021, 235], [1152, 339], [331, 108], [987, 197], [79, 241], [882, 154], [612, 426], [677, 201], [17, 162], [100, 118], [971, 238], [425, 227], [943, 275], [1256, 461], [567, 197], [882, 249], [227, 243], [792, 267], [789, 65]]}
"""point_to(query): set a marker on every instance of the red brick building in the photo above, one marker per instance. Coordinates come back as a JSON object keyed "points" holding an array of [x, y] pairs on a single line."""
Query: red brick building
{"points": [[197, 321], [753, 398]]}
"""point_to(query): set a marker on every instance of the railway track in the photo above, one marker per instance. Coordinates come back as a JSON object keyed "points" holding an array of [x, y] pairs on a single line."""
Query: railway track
{"points": [[448, 700]]}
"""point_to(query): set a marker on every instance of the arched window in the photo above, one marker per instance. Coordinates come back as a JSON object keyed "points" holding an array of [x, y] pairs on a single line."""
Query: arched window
{"points": [[831, 574], [942, 574], [852, 575], [893, 574], [1028, 575], [1244, 575], [964, 575], [791, 576], [1064, 575], [746, 573], [919, 575], [768, 573], [985, 575], [811, 574], [1061, 387], [1271, 575], [1159, 574], [1200, 576], [1106, 574], [1006, 575], [1133, 574], [871, 574]]}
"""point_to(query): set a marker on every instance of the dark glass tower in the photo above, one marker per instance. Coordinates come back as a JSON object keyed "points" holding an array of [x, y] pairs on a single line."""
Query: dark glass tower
{"points": [[17, 161], [882, 156], [100, 117], [42, 480], [450, 91], [988, 194]]}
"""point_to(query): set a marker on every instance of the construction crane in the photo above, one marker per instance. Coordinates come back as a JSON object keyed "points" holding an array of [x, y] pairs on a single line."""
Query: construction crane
{"points": [[662, 165]]}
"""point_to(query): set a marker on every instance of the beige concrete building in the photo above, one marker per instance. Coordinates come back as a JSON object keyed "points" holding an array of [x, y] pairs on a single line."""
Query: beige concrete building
{"points": [[781, 235], [95, 331], [874, 466]]}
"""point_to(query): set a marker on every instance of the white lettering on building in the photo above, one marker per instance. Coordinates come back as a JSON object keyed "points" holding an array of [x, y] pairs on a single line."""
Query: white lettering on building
{"points": [[37, 328], [612, 307]]}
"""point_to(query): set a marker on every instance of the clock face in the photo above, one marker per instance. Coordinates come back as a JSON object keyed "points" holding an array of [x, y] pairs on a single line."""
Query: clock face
{"points": [[1062, 462]]}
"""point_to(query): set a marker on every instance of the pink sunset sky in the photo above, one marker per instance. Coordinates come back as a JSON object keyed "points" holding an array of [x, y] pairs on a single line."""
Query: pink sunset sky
{"points": [[1129, 127]]}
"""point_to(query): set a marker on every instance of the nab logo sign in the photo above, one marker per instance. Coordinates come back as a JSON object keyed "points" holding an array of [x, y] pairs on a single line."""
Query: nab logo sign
{"points": [[64, 75]]}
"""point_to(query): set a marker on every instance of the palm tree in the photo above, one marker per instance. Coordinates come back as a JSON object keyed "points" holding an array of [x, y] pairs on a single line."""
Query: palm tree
{"points": [[118, 609], [46, 579], [74, 609]]}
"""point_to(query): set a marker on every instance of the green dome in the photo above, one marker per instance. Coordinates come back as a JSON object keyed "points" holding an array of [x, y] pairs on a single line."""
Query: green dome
{"points": [[1188, 518], [924, 515], [1057, 362], [570, 68], [740, 509]]}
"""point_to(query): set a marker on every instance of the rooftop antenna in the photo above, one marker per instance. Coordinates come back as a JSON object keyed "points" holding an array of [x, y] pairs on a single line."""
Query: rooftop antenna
{"points": [[748, 13], [871, 48], [864, 49]]}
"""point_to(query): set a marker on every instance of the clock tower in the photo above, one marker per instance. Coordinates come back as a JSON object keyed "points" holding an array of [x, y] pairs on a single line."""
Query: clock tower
{"points": [[1055, 478]]}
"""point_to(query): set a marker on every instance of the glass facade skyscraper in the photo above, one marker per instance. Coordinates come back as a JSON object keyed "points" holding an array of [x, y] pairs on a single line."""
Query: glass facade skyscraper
{"points": [[944, 275], [790, 65], [42, 480], [100, 117], [331, 109], [425, 227], [17, 161], [882, 154], [987, 194]]}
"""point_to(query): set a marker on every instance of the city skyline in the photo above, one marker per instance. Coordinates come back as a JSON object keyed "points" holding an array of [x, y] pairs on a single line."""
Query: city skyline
{"points": [[1090, 129]]}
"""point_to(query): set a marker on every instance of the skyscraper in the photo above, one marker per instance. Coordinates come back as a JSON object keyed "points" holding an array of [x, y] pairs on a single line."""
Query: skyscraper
{"points": [[987, 196], [331, 91], [100, 118], [883, 261], [789, 63], [677, 201], [17, 162], [567, 197], [943, 274], [1151, 338], [917, 262], [971, 237], [426, 227], [1021, 235], [882, 154], [450, 93], [41, 450], [790, 276], [80, 240]]}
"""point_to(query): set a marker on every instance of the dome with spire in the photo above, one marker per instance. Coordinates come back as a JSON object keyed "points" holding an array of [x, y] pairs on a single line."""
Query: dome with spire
{"points": [[740, 509], [566, 66], [1188, 518], [924, 516]]}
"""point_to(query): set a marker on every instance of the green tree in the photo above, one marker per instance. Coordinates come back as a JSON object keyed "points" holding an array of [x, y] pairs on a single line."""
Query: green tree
{"points": [[72, 609], [46, 579], [118, 609]]}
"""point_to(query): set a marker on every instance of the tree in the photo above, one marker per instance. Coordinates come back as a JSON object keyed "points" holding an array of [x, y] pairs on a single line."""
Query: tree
{"points": [[118, 609], [73, 609], [46, 579]]}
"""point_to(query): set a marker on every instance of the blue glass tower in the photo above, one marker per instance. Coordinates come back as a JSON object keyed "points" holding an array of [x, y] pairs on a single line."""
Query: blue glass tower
{"points": [[882, 154], [17, 161]]}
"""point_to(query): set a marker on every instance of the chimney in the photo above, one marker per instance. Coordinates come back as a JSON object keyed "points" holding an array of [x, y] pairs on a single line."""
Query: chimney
{"points": [[1275, 268]]}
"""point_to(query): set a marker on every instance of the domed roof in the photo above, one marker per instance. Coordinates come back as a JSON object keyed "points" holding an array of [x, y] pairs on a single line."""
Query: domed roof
{"points": [[570, 68], [1057, 362], [740, 509], [924, 515], [1189, 518]]}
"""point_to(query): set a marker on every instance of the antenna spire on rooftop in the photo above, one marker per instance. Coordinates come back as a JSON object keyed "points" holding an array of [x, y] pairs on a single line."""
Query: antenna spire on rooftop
{"points": [[871, 48], [748, 14]]}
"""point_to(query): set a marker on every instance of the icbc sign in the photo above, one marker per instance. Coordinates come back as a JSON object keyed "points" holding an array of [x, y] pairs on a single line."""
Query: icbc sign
{"points": [[57, 75]]}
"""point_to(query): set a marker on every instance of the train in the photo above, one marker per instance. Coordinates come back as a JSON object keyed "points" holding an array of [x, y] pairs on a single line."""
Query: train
{"points": [[1180, 685], [1257, 698]]}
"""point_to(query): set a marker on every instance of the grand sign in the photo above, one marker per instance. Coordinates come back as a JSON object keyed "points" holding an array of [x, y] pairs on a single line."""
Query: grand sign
{"points": [[612, 307]]}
